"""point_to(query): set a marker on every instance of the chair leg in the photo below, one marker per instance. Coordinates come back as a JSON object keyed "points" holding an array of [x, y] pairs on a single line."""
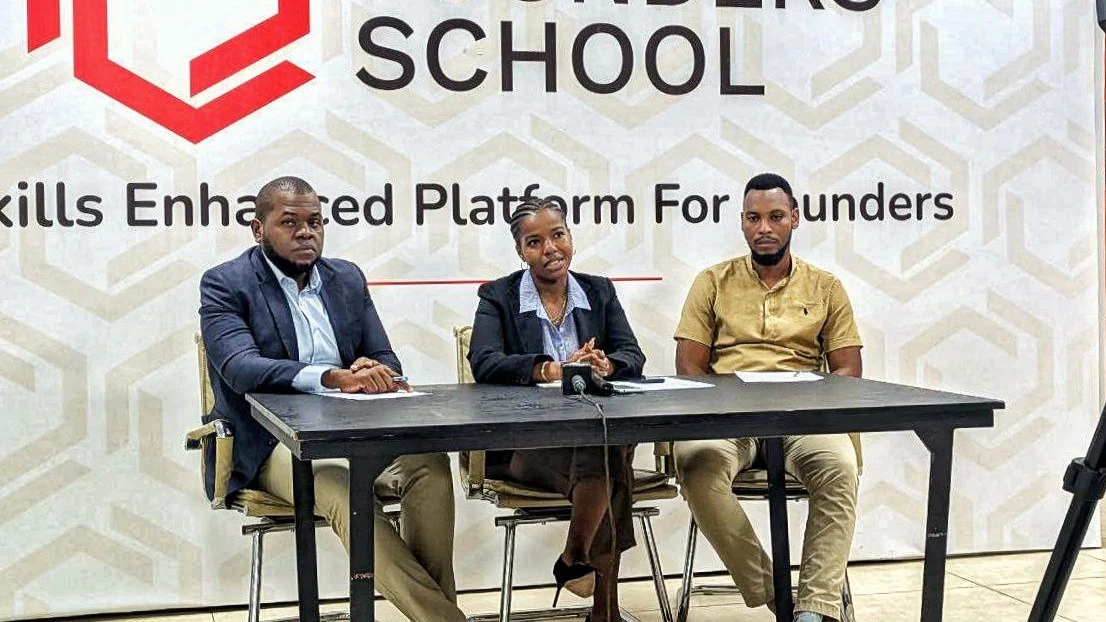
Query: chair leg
{"points": [[684, 595], [255, 576], [655, 567], [508, 572]]}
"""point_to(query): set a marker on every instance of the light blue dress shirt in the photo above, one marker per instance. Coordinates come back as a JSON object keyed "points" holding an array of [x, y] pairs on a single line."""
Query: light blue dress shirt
{"points": [[557, 342], [314, 335]]}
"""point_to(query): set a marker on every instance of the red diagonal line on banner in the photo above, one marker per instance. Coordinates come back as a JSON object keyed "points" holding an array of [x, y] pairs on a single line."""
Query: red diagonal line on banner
{"points": [[292, 21], [43, 22], [92, 66], [616, 279]]}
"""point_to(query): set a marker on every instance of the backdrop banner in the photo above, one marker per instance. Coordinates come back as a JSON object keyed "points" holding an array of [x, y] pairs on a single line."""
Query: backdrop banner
{"points": [[943, 156]]}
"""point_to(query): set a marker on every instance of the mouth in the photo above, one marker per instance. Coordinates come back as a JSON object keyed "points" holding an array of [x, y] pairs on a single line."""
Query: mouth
{"points": [[305, 250], [764, 242], [554, 264]]}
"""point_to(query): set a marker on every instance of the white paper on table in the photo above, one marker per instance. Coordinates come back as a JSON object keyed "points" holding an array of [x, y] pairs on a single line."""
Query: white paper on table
{"points": [[777, 376], [669, 384], [365, 397]]}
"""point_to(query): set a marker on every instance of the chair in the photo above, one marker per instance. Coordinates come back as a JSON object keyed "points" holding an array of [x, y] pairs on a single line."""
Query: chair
{"points": [[273, 513], [752, 485], [534, 506]]}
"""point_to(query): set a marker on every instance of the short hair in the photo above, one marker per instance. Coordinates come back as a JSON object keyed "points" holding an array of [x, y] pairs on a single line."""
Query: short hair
{"points": [[531, 207], [771, 181], [288, 183]]}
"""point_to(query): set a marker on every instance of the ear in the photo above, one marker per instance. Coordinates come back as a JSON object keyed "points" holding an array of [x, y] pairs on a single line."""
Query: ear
{"points": [[255, 226], [795, 218]]}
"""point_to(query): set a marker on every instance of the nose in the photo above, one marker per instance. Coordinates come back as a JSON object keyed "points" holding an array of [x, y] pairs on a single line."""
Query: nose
{"points": [[763, 228], [548, 246], [304, 231]]}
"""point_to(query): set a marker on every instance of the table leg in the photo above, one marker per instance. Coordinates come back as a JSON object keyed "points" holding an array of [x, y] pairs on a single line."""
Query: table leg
{"points": [[777, 510], [303, 493], [362, 578], [939, 443]]}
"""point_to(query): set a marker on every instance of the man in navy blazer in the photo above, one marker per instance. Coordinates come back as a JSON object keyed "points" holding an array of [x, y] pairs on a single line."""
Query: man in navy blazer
{"points": [[280, 318]]}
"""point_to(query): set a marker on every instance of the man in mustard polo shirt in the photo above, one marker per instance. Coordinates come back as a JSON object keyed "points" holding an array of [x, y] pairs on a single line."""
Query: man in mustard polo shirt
{"points": [[768, 311]]}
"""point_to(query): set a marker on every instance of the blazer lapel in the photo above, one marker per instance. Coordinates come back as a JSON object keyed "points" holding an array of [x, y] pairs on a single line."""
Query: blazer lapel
{"points": [[586, 324], [334, 297], [586, 327], [527, 324], [278, 305]]}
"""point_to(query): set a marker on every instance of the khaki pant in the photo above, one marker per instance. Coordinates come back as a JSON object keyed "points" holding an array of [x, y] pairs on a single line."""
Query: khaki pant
{"points": [[414, 568], [825, 464]]}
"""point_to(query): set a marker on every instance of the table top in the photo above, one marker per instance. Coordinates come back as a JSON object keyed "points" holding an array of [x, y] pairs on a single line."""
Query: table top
{"points": [[458, 417]]}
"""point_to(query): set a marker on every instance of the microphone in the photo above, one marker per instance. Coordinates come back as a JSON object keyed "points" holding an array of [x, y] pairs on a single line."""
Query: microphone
{"points": [[578, 384]]}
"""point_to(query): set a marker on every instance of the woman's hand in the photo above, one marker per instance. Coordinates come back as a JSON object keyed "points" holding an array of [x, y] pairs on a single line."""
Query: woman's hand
{"points": [[593, 356], [547, 371]]}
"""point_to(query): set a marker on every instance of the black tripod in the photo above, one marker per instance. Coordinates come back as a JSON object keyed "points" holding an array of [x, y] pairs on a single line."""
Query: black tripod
{"points": [[1086, 480]]}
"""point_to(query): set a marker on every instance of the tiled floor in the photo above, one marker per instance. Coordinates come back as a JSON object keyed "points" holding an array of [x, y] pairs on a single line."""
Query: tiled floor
{"points": [[995, 587]]}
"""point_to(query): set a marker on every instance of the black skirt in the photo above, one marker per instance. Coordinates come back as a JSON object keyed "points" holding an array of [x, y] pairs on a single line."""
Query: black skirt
{"points": [[559, 469]]}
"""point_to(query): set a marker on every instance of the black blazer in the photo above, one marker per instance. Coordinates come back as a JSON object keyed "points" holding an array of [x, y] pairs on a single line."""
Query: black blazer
{"points": [[251, 344], [506, 344]]}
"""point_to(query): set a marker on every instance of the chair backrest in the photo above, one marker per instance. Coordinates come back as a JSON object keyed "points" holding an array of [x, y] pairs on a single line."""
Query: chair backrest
{"points": [[462, 340], [471, 462], [249, 502], [207, 395], [213, 433]]}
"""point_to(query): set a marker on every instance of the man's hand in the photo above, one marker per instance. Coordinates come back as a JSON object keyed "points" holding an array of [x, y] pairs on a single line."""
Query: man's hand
{"points": [[363, 363], [374, 379], [343, 380]]}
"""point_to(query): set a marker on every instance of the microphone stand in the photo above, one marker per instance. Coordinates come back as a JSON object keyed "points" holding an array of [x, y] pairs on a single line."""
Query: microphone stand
{"points": [[1086, 480]]}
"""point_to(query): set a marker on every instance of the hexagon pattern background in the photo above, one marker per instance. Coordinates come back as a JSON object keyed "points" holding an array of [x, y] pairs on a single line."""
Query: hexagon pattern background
{"points": [[990, 101]]}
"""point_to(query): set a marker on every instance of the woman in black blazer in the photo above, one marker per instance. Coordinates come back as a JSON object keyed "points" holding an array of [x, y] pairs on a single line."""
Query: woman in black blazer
{"points": [[527, 324]]}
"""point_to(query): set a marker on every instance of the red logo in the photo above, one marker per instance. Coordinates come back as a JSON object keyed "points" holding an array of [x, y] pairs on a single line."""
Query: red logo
{"points": [[92, 66]]}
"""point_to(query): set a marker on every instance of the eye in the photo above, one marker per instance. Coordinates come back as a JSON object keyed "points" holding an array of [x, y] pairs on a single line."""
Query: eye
{"points": [[288, 222], [315, 223], [777, 216]]}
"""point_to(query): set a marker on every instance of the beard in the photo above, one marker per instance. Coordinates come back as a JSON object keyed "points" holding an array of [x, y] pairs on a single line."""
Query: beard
{"points": [[290, 269], [770, 259]]}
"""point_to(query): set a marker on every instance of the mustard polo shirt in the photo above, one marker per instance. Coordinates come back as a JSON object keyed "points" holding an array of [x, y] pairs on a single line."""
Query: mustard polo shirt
{"points": [[751, 327]]}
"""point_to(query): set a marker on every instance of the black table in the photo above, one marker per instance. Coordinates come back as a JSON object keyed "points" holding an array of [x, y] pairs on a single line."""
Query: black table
{"points": [[470, 417]]}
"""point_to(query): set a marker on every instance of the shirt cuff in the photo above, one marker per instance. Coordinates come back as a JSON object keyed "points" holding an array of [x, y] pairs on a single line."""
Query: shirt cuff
{"points": [[310, 379]]}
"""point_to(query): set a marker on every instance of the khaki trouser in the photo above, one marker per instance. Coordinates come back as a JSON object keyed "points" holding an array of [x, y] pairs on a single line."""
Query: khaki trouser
{"points": [[414, 568], [825, 464]]}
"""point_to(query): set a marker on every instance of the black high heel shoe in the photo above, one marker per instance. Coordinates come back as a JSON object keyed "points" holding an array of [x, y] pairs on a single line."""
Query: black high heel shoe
{"points": [[577, 578]]}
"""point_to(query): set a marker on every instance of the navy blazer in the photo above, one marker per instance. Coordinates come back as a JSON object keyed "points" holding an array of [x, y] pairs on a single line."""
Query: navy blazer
{"points": [[506, 343], [251, 345]]}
